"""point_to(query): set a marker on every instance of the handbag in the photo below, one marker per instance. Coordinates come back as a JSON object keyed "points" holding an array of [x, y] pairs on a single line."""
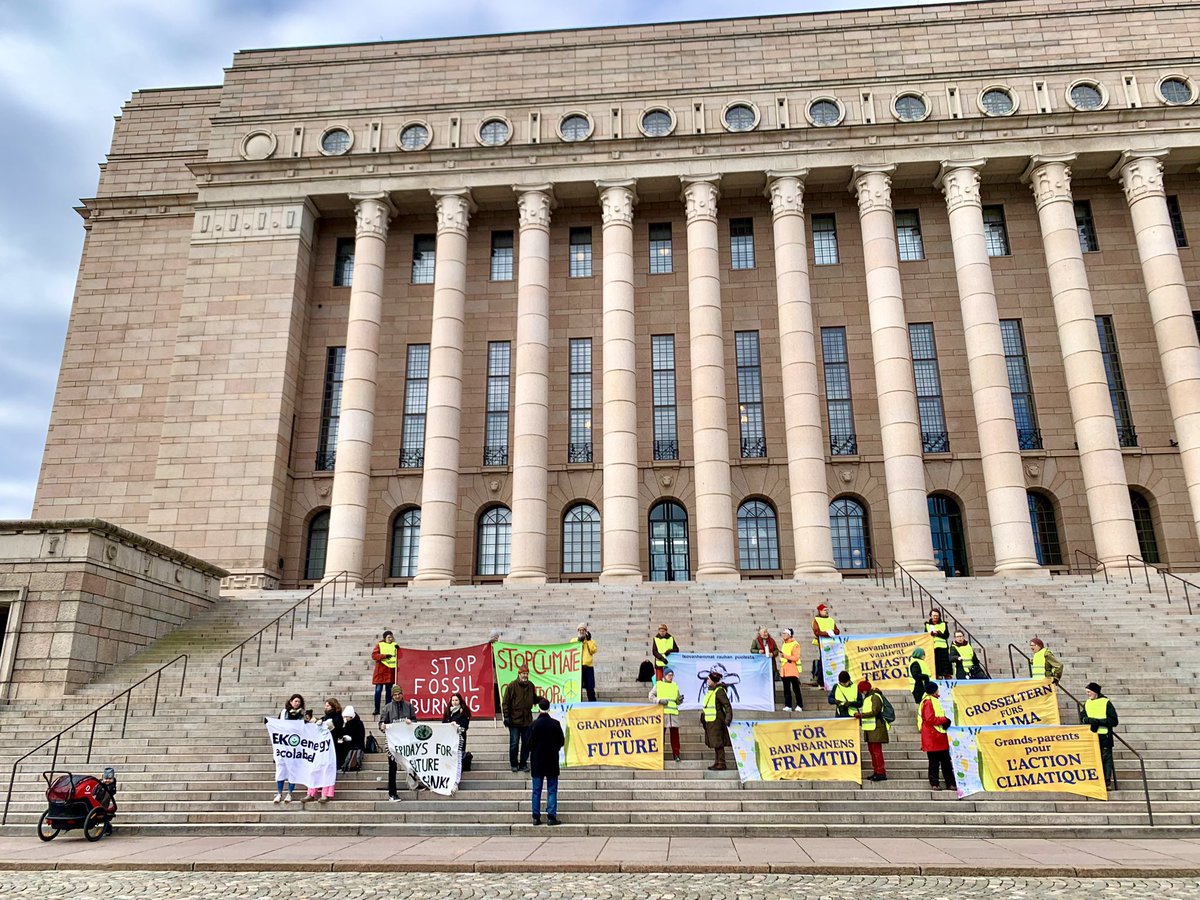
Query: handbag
{"points": [[354, 761]]}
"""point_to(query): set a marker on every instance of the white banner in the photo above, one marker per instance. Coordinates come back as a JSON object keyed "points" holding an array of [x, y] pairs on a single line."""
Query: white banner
{"points": [[747, 678], [303, 753], [429, 752]]}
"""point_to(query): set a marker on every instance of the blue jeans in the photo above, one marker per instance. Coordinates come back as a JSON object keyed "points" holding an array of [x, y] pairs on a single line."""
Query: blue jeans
{"points": [[551, 796], [518, 745]]}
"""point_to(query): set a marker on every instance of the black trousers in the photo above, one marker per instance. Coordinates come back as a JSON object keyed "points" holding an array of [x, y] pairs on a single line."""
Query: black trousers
{"points": [[941, 663], [940, 758], [791, 687], [588, 678], [1106, 757]]}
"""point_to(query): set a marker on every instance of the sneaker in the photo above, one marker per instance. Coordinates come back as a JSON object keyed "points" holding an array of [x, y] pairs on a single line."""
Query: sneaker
{"points": [[308, 798], [278, 798], [676, 757], [392, 798], [553, 820], [287, 798], [787, 709], [323, 799]]}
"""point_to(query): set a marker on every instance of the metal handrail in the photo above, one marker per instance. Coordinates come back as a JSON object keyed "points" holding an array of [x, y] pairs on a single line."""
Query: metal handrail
{"points": [[93, 715], [1091, 570], [370, 582], [946, 614], [1164, 573], [878, 573], [318, 593], [1079, 708]]}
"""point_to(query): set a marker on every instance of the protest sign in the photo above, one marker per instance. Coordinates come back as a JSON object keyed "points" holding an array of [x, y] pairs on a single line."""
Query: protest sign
{"points": [[556, 670], [747, 678], [1004, 701], [429, 677], [1022, 758], [882, 659], [797, 750], [303, 753], [615, 735], [429, 752]]}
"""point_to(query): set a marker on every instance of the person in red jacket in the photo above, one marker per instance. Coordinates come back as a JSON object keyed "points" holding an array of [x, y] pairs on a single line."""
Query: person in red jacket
{"points": [[933, 738], [384, 655]]}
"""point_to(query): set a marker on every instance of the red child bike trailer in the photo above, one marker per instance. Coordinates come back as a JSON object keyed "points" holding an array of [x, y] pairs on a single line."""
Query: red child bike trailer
{"points": [[76, 801]]}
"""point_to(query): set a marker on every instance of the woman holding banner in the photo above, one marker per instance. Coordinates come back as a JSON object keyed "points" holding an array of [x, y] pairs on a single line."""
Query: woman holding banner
{"points": [[459, 713]]}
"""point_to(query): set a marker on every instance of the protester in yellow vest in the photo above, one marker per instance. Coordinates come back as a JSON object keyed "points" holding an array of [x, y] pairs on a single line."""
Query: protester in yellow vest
{"points": [[844, 697], [789, 671], [933, 738], [666, 694], [587, 672], [941, 644], [823, 625], [715, 716], [918, 674], [1099, 712], [1043, 664], [662, 645], [384, 655], [963, 659], [874, 727]]}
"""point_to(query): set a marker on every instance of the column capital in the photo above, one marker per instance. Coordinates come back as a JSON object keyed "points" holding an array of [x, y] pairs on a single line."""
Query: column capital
{"points": [[873, 186], [1049, 177], [534, 204], [372, 212], [617, 200], [454, 209], [959, 182], [1141, 174], [786, 190], [700, 194]]}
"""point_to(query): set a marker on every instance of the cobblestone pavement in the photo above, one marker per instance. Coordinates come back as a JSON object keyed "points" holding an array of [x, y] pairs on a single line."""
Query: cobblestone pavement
{"points": [[129, 885]]}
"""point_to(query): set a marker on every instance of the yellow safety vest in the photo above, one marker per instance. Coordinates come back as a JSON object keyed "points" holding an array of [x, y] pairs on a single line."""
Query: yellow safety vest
{"points": [[966, 653], [868, 722], [939, 637], [662, 645], [846, 694], [938, 712], [669, 691], [1097, 709], [791, 656], [387, 649], [1037, 665], [924, 667], [710, 706], [824, 623]]}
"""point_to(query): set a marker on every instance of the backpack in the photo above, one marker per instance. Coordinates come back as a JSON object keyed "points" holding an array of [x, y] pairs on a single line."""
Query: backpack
{"points": [[354, 761], [372, 745], [889, 711]]}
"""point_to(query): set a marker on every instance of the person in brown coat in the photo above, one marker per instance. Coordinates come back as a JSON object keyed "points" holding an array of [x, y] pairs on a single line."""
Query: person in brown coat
{"points": [[715, 717], [875, 728], [520, 697]]}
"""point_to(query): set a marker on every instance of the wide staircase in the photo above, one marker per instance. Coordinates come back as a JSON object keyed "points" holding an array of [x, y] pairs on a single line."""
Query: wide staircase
{"points": [[199, 763]]}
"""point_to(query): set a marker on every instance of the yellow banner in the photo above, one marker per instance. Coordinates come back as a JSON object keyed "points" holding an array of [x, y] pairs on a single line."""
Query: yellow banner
{"points": [[1029, 702], [1048, 758], [884, 661], [814, 750], [627, 736]]}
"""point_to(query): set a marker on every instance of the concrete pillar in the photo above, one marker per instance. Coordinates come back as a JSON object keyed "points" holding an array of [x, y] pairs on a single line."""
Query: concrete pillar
{"points": [[715, 539], [356, 425], [531, 414], [1141, 176], [620, 518], [1049, 178], [1003, 477], [443, 417], [899, 422], [801, 396]]}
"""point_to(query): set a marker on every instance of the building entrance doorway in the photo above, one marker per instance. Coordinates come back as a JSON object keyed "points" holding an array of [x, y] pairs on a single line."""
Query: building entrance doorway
{"points": [[945, 526], [669, 556]]}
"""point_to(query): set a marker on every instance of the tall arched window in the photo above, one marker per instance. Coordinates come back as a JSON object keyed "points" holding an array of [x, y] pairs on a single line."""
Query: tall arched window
{"points": [[1045, 529], [494, 545], [758, 536], [581, 540], [1143, 522], [315, 546], [851, 536], [406, 539]]}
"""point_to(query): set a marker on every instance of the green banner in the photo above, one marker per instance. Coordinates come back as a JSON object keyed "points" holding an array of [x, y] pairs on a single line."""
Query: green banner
{"points": [[555, 669]]}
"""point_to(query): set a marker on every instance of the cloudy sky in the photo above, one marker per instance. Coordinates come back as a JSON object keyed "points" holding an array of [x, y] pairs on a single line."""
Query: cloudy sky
{"points": [[66, 66]]}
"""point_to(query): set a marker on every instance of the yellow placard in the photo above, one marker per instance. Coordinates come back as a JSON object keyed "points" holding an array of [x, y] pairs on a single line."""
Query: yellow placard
{"points": [[884, 661], [1049, 758], [1030, 702], [627, 736], [810, 750]]}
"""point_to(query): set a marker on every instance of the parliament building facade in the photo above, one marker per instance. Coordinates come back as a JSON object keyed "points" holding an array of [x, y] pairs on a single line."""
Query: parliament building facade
{"points": [[785, 297]]}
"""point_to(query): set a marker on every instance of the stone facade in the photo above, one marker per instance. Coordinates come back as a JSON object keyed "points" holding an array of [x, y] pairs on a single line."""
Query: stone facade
{"points": [[191, 402]]}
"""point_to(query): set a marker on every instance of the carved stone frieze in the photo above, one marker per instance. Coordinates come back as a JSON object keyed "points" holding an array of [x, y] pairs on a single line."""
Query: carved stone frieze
{"points": [[253, 223]]}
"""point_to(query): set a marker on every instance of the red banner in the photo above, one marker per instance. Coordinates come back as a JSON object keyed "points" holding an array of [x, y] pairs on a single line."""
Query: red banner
{"points": [[429, 677]]}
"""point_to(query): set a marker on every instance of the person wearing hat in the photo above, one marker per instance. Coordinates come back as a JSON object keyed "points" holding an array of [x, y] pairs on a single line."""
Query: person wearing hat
{"points": [[545, 740], [919, 674], [715, 716], [789, 671], [1043, 663], [399, 710], [874, 728], [587, 673], [661, 646], [384, 655], [516, 709], [823, 625], [1098, 712], [109, 781], [933, 738], [665, 692], [844, 697]]}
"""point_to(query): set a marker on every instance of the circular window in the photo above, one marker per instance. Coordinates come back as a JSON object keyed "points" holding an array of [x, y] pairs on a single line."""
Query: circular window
{"points": [[1176, 90], [997, 101], [575, 127], [415, 136], [657, 123], [258, 145], [740, 117], [494, 132], [910, 107], [825, 112], [1086, 95], [336, 141]]}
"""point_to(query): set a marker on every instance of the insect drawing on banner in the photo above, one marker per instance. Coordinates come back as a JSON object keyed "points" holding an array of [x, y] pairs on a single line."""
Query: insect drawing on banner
{"points": [[729, 679]]}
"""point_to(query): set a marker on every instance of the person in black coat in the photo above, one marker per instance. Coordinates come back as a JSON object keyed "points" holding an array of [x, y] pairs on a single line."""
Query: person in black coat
{"points": [[352, 735], [545, 740], [459, 713]]}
